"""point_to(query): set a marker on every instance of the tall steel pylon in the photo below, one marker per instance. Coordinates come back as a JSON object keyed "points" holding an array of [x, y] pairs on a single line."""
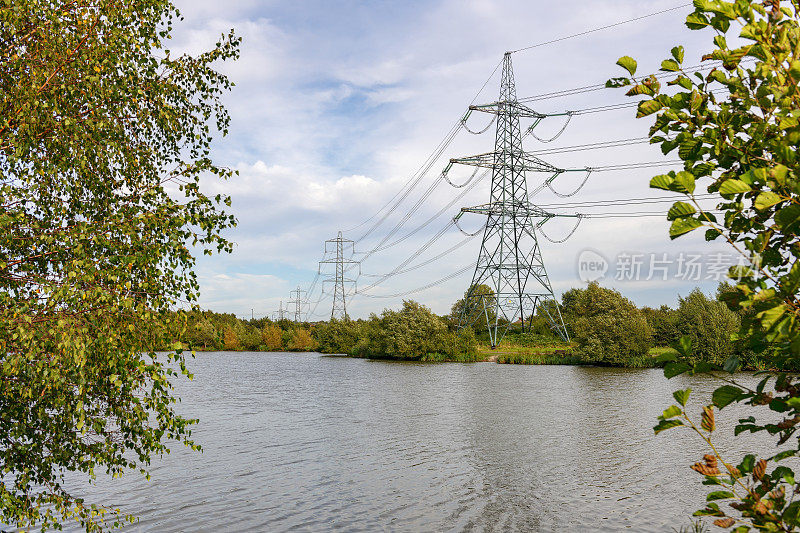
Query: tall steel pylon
{"points": [[339, 296], [278, 315], [510, 259], [298, 303]]}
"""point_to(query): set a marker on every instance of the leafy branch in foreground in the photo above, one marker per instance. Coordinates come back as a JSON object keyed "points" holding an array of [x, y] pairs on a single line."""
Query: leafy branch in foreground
{"points": [[104, 135], [737, 128]]}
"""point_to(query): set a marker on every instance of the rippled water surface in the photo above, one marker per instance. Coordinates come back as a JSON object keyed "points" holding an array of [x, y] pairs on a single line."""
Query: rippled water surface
{"points": [[313, 443]]}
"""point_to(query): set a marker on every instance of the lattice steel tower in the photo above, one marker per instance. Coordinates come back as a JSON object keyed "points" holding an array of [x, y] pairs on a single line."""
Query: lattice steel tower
{"points": [[278, 315], [510, 259], [339, 296], [298, 303]]}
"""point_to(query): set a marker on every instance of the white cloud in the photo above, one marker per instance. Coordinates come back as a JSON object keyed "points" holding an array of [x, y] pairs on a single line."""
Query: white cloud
{"points": [[336, 106]]}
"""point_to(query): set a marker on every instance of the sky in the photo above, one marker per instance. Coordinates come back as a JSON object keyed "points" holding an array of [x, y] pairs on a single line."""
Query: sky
{"points": [[336, 105]]}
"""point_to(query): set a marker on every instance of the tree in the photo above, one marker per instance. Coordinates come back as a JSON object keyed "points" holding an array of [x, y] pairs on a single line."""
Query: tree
{"points": [[271, 337], [203, 333], [478, 297], [737, 128], [608, 327], [709, 324], [300, 340], [662, 322], [337, 336], [104, 135]]}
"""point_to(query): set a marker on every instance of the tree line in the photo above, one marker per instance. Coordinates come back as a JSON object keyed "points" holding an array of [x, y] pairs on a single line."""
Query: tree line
{"points": [[604, 326]]}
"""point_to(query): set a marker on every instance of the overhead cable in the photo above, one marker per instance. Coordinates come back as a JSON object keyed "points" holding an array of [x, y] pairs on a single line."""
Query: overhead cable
{"points": [[601, 28]]}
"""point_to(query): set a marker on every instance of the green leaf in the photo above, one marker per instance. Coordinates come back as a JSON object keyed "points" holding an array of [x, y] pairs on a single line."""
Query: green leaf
{"points": [[640, 88], [666, 357], [712, 234], [669, 65], [648, 107], [733, 186], [731, 364], [719, 495], [663, 181], [682, 226], [685, 182], [675, 368], [628, 63], [792, 512], [664, 425], [677, 53], [684, 345], [788, 218], [671, 412], [725, 395], [680, 210], [696, 21], [794, 70], [767, 199], [682, 396], [770, 316], [747, 464], [788, 122]]}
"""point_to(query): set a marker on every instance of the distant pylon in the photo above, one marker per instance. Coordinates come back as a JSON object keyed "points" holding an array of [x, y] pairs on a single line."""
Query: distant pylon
{"points": [[510, 256], [298, 303], [339, 296], [278, 315]]}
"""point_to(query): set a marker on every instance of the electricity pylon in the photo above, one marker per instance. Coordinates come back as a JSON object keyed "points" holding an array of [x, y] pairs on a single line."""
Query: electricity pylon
{"points": [[278, 315], [339, 297], [510, 259], [298, 303]]}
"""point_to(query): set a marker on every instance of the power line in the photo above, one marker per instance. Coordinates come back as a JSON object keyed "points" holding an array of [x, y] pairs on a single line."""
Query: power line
{"points": [[426, 165], [603, 86], [428, 286], [593, 30], [625, 201]]}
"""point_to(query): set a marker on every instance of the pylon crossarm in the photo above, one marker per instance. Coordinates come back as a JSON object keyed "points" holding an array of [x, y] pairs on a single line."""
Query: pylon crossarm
{"points": [[515, 210], [522, 162], [514, 107]]}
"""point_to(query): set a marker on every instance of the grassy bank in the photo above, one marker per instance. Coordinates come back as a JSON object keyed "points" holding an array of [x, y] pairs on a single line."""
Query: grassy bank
{"points": [[527, 349]]}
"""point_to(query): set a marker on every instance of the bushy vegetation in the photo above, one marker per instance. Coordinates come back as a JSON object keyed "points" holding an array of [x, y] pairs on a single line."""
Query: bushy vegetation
{"points": [[709, 324], [607, 327], [207, 330], [412, 333], [663, 324]]}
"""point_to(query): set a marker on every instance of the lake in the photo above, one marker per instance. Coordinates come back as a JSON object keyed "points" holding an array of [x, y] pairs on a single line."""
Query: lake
{"points": [[314, 443]]}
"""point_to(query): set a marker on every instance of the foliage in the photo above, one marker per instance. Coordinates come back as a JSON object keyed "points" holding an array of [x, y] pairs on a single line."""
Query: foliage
{"points": [[300, 340], [472, 307], [230, 339], [530, 339], [103, 138], [414, 333], [607, 327], [710, 325], [737, 127], [271, 337], [337, 336], [662, 322]]}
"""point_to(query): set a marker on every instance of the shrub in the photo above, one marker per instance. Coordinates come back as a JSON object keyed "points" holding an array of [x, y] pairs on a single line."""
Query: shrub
{"points": [[230, 339], [337, 336], [607, 327], [271, 337], [710, 324], [300, 340], [662, 322]]}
